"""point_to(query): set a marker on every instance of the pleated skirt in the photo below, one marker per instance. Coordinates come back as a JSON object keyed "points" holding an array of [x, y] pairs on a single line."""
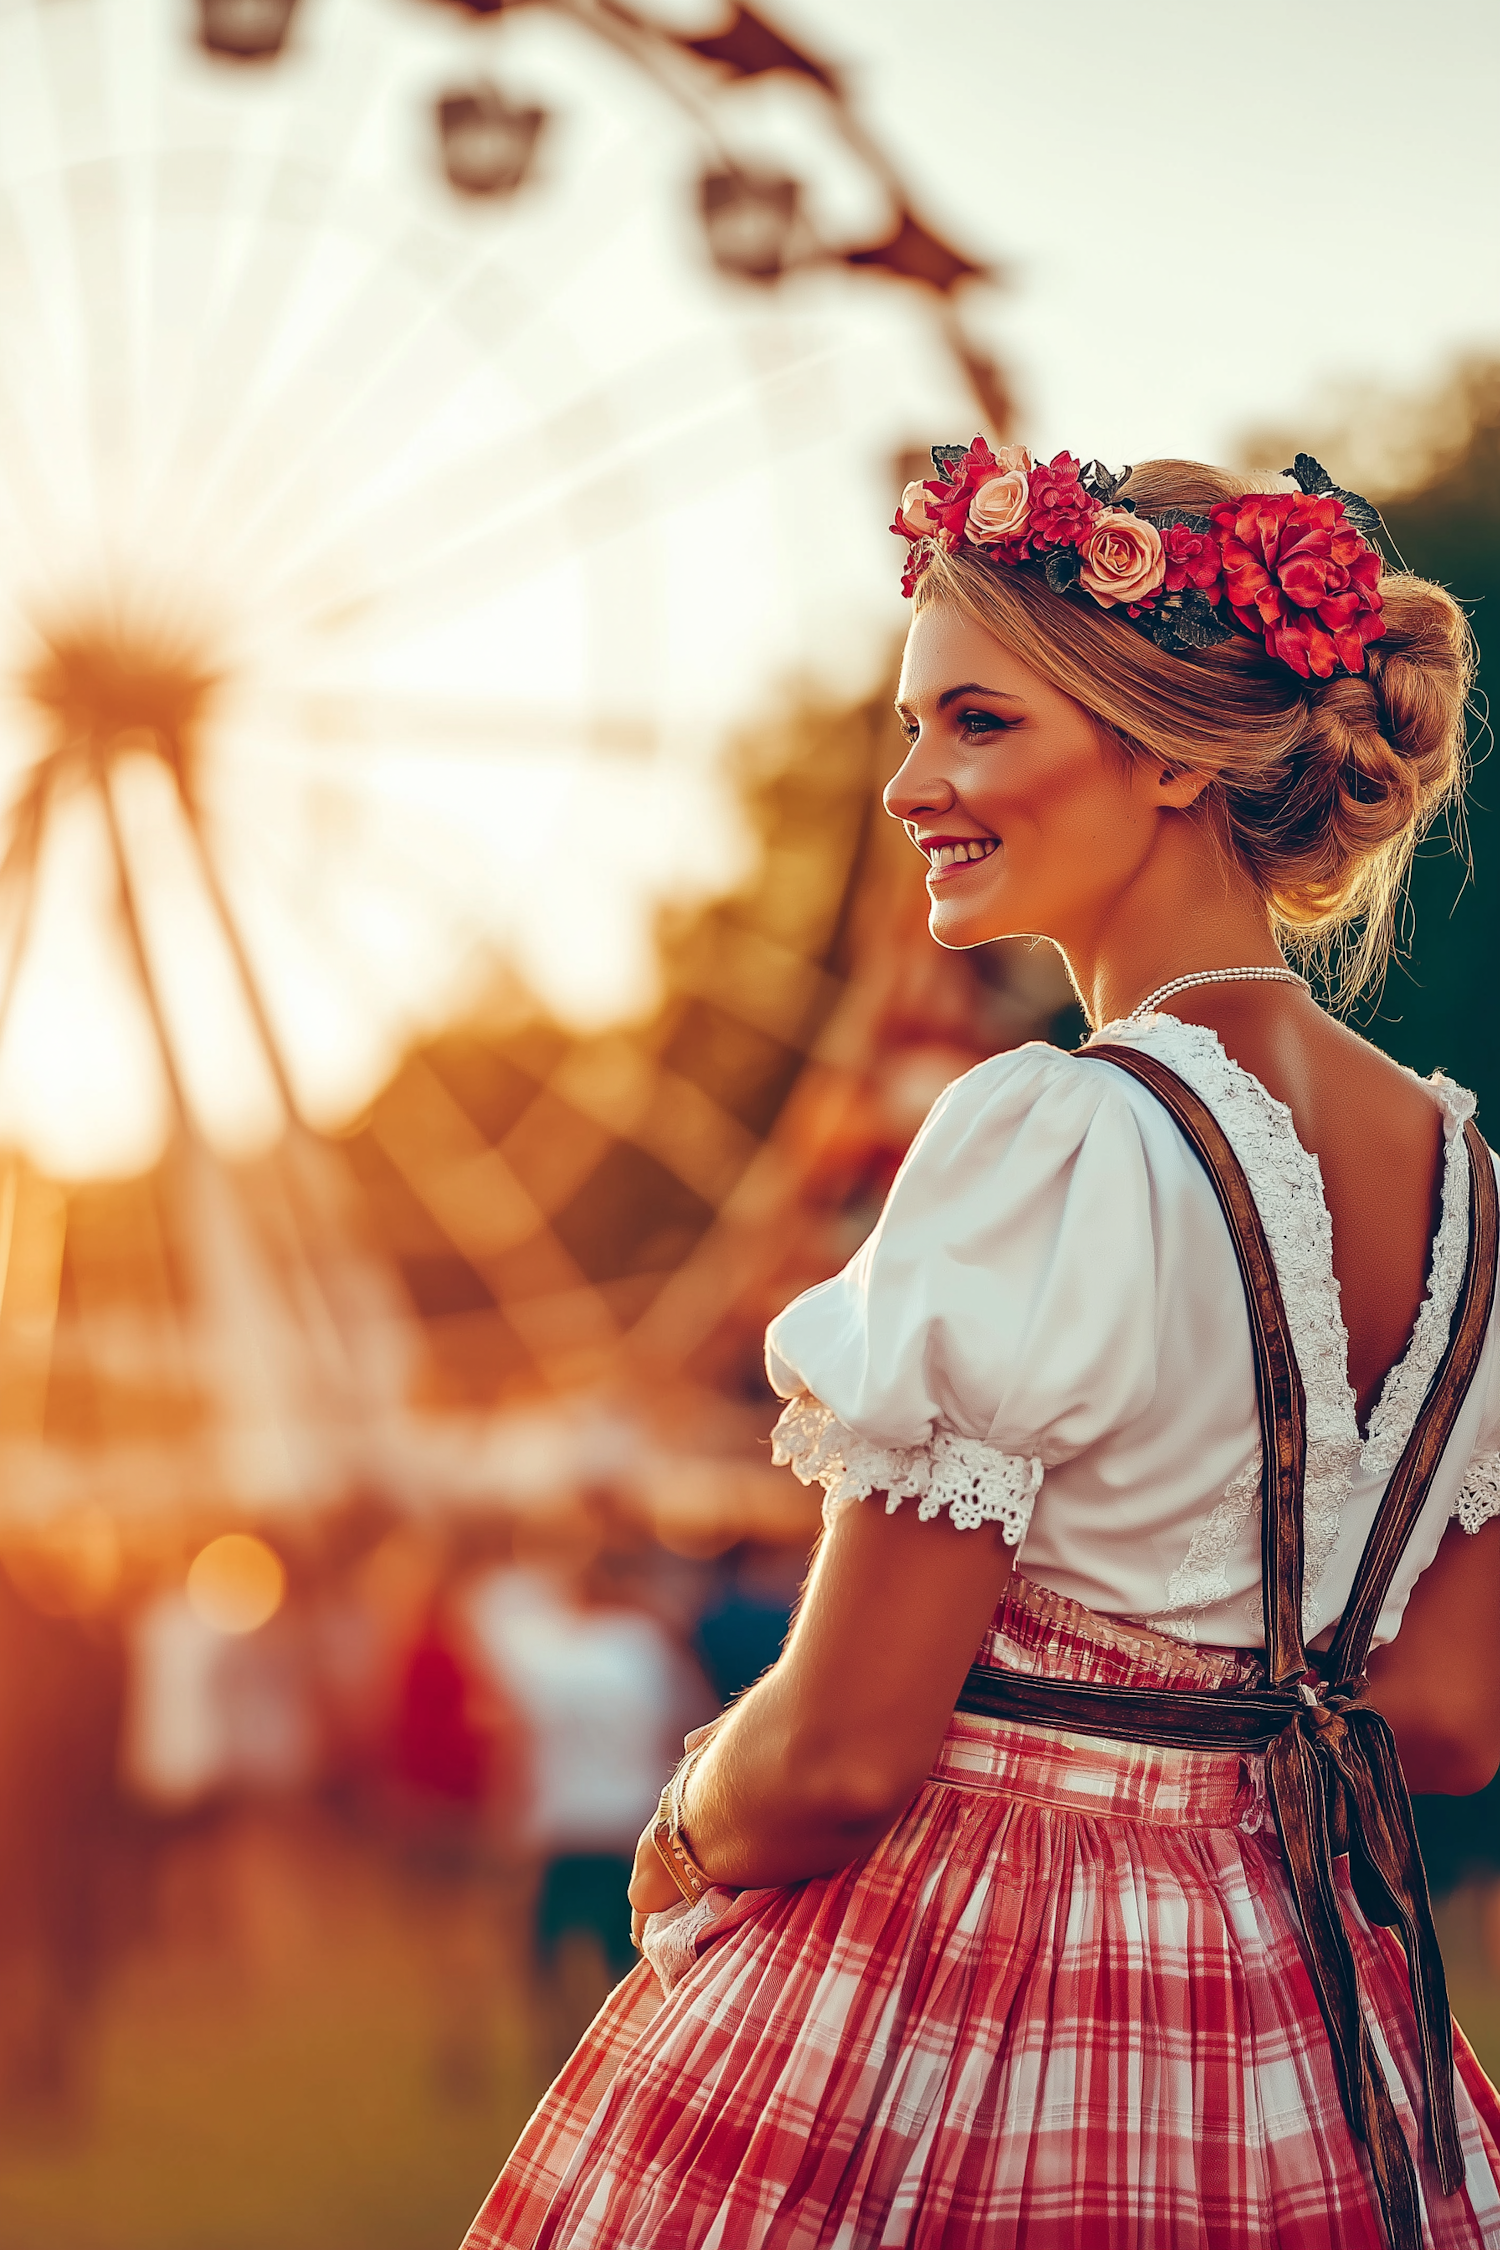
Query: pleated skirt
{"points": [[1063, 2004]]}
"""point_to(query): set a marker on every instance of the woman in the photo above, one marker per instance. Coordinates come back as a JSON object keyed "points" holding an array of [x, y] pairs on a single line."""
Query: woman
{"points": [[1018, 1904]]}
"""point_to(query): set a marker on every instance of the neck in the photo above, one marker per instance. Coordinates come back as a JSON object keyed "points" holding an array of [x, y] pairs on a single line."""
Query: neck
{"points": [[1185, 911]]}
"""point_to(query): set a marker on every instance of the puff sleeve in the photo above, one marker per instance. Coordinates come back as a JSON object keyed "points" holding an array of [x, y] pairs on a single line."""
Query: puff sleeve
{"points": [[999, 1320]]}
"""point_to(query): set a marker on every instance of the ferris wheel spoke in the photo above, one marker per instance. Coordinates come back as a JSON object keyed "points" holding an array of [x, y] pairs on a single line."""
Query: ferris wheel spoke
{"points": [[29, 496], [301, 892], [44, 318], [546, 480], [302, 426], [129, 905], [350, 725], [95, 204], [301, 207], [192, 254], [634, 491], [295, 421], [91, 237], [19, 867], [286, 202]]}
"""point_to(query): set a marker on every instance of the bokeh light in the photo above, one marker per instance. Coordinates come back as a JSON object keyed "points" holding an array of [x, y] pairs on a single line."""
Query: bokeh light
{"points": [[237, 1583]]}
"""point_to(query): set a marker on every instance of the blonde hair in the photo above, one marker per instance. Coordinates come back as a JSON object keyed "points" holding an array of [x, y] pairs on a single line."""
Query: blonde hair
{"points": [[1320, 788]]}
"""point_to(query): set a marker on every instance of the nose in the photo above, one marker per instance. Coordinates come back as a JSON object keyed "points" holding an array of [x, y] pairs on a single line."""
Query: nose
{"points": [[918, 786]]}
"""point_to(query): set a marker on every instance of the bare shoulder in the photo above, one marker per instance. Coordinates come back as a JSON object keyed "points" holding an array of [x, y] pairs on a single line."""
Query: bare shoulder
{"points": [[1352, 1077], [1341, 1090]]}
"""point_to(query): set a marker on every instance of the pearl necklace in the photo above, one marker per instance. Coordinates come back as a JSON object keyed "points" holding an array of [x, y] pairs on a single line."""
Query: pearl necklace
{"points": [[1216, 976]]}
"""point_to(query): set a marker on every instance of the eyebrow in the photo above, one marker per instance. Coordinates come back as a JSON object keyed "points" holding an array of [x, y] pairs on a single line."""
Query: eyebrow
{"points": [[971, 687]]}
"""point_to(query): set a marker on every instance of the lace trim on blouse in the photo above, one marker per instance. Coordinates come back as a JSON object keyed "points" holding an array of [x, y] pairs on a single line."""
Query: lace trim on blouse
{"points": [[972, 1480], [1479, 1494], [1201, 1579], [1407, 1383], [1287, 1184]]}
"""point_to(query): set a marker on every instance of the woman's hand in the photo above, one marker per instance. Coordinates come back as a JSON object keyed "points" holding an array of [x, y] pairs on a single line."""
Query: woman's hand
{"points": [[651, 1886]]}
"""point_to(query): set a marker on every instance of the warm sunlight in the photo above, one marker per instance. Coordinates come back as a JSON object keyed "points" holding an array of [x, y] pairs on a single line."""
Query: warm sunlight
{"points": [[485, 535]]}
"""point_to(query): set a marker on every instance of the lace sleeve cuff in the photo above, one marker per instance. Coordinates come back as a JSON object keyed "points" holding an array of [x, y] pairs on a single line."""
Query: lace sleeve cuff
{"points": [[974, 1482], [1479, 1494]]}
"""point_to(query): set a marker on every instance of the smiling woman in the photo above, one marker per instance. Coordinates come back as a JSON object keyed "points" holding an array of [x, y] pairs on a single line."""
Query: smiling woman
{"points": [[1012, 774], [1005, 1907]]}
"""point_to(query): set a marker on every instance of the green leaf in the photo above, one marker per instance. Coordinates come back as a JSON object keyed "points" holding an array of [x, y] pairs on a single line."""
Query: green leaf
{"points": [[1063, 566], [1102, 484], [1362, 513], [1189, 621], [1311, 475], [945, 459]]}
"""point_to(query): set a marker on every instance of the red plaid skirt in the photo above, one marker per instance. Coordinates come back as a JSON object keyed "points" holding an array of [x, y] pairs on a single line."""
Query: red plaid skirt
{"points": [[1064, 2003]]}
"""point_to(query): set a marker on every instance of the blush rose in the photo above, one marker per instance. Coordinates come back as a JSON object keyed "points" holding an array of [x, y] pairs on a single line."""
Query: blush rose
{"points": [[1000, 509], [1122, 558]]}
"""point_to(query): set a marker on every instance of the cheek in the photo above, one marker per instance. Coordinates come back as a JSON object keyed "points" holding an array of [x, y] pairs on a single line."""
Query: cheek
{"points": [[1068, 800]]}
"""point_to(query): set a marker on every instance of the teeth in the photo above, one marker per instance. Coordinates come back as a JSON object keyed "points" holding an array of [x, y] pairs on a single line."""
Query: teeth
{"points": [[948, 855]]}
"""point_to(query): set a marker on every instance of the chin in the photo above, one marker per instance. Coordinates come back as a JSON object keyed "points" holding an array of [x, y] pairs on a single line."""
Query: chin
{"points": [[957, 932]]}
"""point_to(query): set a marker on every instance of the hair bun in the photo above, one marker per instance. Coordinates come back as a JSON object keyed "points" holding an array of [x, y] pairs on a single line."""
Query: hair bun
{"points": [[1381, 753]]}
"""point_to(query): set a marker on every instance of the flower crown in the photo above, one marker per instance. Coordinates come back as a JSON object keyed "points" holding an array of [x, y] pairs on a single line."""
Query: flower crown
{"points": [[1296, 569]]}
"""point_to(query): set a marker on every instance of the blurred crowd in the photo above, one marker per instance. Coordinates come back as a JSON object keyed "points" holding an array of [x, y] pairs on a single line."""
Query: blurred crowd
{"points": [[491, 1713]]}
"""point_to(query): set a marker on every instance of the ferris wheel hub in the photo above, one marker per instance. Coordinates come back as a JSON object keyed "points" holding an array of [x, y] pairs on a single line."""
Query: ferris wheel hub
{"points": [[104, 692]]}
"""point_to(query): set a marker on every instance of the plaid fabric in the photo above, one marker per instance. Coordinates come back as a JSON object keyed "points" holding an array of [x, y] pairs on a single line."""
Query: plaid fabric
{"points": [[1062, 2005]]}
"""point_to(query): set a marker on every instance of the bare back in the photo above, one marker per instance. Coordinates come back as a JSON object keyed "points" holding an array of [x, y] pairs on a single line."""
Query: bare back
{"points": [[1378, 1138]]}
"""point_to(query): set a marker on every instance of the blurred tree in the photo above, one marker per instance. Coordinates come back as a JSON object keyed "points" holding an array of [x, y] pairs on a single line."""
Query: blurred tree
{"points": [[1438, 1008]]}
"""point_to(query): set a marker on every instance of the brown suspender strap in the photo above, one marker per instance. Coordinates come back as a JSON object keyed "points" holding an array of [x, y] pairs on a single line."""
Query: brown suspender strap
{"points": [[1332, 1774], [1278, 1379], [1337, 1775], [1407, 1490]]}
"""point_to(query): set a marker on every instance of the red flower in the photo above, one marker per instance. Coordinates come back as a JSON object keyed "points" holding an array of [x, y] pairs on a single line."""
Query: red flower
{"points": [[918, 556], [1193, 559], [1298, 573], [948, 503], [1061, 511]]}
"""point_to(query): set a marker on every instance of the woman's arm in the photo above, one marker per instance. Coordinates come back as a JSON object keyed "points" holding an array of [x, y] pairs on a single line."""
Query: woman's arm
{"points": [[816, 1762], [1438, 1682]]}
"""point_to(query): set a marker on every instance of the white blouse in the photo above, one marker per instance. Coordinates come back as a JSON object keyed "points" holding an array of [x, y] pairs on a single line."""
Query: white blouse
{"points": [[1047, 1331]]}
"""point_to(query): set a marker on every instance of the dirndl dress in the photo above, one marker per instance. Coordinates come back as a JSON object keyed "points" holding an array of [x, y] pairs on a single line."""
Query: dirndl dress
{"points": [[1068, 2001]]}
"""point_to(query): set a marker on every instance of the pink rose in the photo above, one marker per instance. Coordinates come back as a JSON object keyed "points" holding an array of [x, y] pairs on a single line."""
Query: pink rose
{"points": [[1014, 457], [1001, 507], [913, 511], [1122, 558]]}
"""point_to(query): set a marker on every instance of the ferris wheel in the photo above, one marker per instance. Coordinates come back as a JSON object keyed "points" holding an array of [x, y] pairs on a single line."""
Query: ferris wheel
{"points": [[407, 417]]}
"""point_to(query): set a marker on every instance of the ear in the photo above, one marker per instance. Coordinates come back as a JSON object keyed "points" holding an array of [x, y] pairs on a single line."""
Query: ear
{"points": [[1178, 786]]}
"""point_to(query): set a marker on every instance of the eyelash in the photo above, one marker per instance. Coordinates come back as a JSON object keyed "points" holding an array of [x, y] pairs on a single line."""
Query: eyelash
{"points": [[987, 723]]}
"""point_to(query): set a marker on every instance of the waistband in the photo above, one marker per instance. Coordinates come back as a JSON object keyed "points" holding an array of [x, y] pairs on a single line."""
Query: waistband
{"points": [[1158, 1784]]}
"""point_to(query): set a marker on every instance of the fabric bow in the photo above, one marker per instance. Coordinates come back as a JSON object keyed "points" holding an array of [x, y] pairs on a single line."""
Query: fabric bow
{"points": [[1335, 1785]]}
